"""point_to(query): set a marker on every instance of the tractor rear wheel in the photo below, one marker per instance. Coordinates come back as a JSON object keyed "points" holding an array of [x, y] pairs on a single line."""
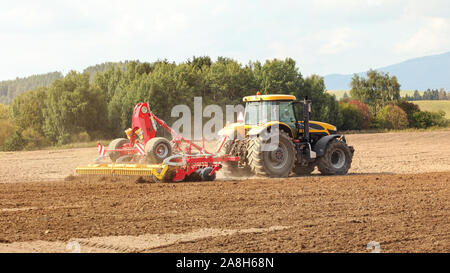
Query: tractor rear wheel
{"points": [[337, 159], [116, 144], [304, 170], [157, 149], [276, 161]]}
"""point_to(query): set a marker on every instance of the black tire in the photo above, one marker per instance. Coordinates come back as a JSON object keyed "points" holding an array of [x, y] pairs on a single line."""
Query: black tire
{"points": [[304, 170], [271, 163], [115, 145], [337, 159], [157, 149], [205, 174]]}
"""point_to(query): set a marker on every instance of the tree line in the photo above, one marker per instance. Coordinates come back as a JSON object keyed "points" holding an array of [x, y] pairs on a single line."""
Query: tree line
{"points": [[76, 107], [12, 88], [79, 106], [433, 94]]}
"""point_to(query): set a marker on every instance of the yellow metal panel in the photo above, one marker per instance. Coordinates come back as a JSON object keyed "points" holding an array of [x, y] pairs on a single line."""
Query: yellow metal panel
{"points": [[157, 171]]}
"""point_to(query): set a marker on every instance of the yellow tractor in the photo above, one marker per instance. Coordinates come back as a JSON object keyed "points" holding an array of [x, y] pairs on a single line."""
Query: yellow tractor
{"points": [[277, 138]]}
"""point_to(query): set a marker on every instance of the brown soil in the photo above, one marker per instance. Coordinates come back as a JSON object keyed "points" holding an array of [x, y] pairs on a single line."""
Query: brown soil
{"points": [[404, 213], [397, 194]]}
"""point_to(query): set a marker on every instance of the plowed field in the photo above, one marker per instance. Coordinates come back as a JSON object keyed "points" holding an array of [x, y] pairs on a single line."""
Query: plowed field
{"points": [[397, 194]]}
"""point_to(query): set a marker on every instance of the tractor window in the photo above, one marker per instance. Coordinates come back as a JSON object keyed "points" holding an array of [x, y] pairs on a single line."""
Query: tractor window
{"points": [[287, 113], [299, 111], [269, 111], [260, 112], [251, 113]]}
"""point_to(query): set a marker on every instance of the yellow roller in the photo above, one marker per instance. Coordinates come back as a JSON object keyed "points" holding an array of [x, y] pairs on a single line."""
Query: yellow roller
{"points": [[157, 171]]}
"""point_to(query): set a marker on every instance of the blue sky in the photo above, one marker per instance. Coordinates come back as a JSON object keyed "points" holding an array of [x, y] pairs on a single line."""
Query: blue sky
{"points": [[324, 37]]}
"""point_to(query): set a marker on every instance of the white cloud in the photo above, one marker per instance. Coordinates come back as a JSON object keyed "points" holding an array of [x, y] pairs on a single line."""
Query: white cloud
{"points": [[336, 40], [432, 37]]}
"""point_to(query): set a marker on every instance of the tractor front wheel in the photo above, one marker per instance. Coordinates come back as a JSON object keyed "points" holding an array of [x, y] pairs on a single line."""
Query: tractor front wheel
{"points": [[337, 159]]}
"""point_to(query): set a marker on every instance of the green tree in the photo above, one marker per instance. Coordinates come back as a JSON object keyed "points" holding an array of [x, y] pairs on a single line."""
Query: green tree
{"points": [[426, 119], [73, 106], [410, 109], [4, 111], [364, 114], [278, 77], [27, 110], [203, 62], [324, 106], [377, 90], [7, 129], [351, 120], [392, 117], [227, 82]]}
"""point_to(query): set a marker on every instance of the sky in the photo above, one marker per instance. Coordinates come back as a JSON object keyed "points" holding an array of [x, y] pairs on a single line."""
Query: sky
{"points": [[322, 36]]}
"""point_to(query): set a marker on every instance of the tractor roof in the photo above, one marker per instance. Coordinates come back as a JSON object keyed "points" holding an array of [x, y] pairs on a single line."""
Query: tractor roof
{"points": [[268, 98]]}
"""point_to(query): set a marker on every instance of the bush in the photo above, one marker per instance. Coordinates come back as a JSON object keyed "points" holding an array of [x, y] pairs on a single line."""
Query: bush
{"points": [[364, 113], [410, 109], [4, 111], [33, 139], [14, 143], [392, 117], [439, 119], [81, 137], [426, 119], [351, 119], [6, 130]]}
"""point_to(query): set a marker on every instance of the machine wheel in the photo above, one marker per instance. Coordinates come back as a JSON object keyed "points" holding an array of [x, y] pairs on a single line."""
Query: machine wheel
{"points": [[336, 160], [157, 149], [278, 162], [205, 174], [195, 176], [115, 145], [304, 170]]}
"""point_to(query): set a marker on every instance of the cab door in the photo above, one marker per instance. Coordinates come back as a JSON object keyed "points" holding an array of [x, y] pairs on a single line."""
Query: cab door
{"points": [[287, 114]]}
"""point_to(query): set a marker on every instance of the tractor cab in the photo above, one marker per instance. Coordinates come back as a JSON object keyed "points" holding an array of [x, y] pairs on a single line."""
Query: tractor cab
{"points": [[266, 110], [270, 108]]}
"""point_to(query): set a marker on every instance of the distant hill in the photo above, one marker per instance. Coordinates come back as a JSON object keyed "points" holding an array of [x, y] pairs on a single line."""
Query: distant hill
{"points": [[12, 88], [415, 74], [103, 67]]}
